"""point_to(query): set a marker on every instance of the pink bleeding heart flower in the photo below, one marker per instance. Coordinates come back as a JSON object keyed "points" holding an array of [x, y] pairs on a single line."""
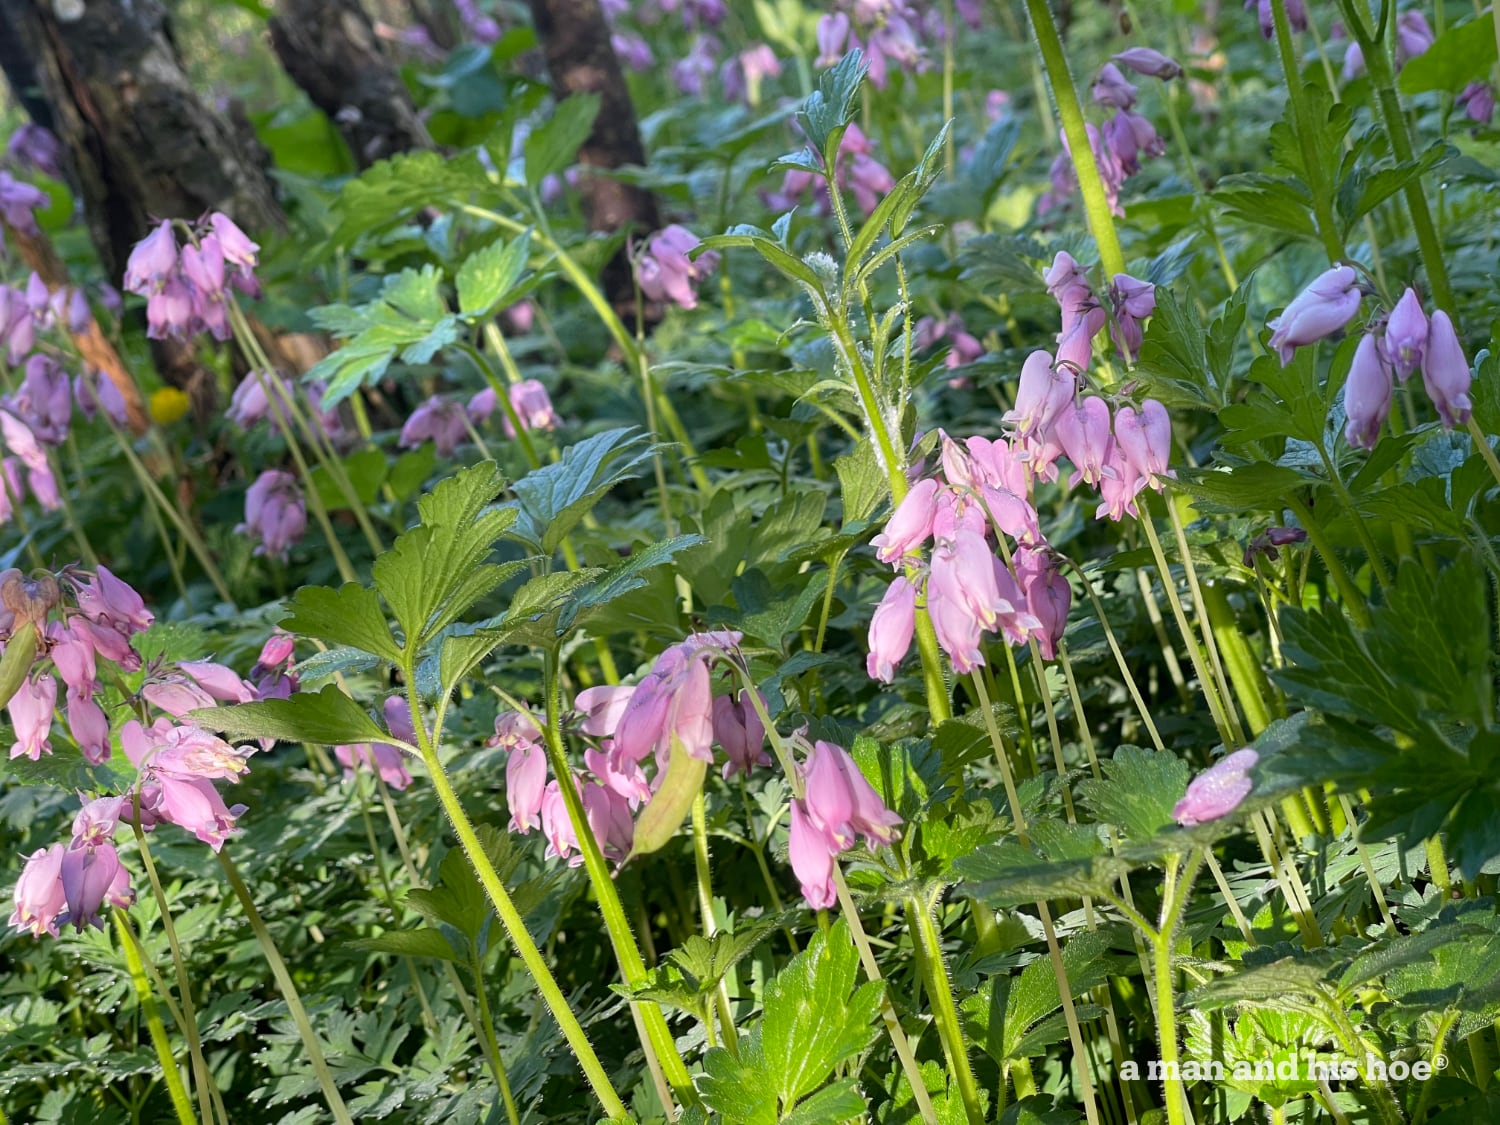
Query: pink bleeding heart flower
{"points": [[812, 860], [39, 897], [1367, 394], [30, 711], [1445, 372], [739, 730], [910, 525], [1406, 335], [1328, 303], [1218, 790], [891, 630], [841, 804], [92, 876]]}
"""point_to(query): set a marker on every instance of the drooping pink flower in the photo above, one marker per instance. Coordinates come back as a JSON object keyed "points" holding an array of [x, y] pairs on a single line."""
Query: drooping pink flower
{"points": [[739, 730], [1413, 36], [1446, 373], [152, 261], [812, 860], [97, 821], [1296, 15], [239, 251], [633, 52], [275, 513], [841, 804], [1477, 100], [1144, 439], [72, 651], [833, 38], [171, 312], [89, 726], [39, 897], [910, 525], [891, 630], [438, 419], [1133, 302], [203, 269], [30, 712], [92, 876], [1367, 394], [92, 392], [742, 75], [1084, 433], [19, 202], [223, 684], [1049, 597], [112, 601], [1042, 395], [1131, 137], [609, 818], [1150, 62], [194, 804], [1218, 790], [1328, 303], [45, 399], [692, 72], [667, 273], [1111, 88], [533, 407], [602, 707], [556, 827]]}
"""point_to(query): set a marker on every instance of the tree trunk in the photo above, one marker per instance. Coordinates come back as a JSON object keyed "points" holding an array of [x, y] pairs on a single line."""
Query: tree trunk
{"points": [[575, 39], [143, 146], [330, 50], [143, 143]]}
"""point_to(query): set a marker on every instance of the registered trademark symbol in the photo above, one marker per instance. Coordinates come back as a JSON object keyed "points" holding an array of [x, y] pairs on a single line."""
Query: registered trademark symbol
{"points": [[1441, 1062]]}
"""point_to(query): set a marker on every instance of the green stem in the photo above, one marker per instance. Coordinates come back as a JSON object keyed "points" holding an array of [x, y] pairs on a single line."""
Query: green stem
{"points": [[1120, 661], [710, 925], [201, 1081], [1096, 209], [487, 1028], [1354, 601], [622, 939], [170, 1074], [934, 969], [1054, 950], [1382, 78], [1178, 887], [1313, 161], [1481, 441], [288, 991], [510, 917]]}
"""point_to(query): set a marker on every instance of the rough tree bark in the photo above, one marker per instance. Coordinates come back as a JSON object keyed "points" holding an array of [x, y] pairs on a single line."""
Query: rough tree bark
{"points": [[328, 47], [142, 145], [580, 59]]}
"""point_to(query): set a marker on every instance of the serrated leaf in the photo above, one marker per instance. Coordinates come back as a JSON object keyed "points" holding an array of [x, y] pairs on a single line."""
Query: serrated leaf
{"points": [[830, 107], [553, 499], [486, 278], [423, 942], [349, 615], [1138, 790]]}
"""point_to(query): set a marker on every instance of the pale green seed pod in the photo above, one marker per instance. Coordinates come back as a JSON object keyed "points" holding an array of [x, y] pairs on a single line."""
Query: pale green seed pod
{"points": [[663, 814], [16, 661]]}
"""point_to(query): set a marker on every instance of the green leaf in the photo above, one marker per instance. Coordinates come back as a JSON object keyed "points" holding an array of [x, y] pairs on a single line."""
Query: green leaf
{"points": [[409, 319], [350, 616], [328, 718], [830, 107], [552, 147], [1174, 358], [487, 277], [388, 191], [422, 942], [1257, 486], [432, 574], [1138, 791], [552, 500], [790, 266], [1461, 55], [814, 1019], [840, 1101]]}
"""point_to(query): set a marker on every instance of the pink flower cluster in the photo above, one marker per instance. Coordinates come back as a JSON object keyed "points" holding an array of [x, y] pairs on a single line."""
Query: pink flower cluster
{"points": [[837, 808], [275, 513], [19, 202], [251, 403], [446, 421], [667, 273], [855, 170], [36, 146], [33, 419], [889, 32], [939, 535], [187, 288], [1393, 346], [177, 762], [1124, 140], [673, 708]]}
